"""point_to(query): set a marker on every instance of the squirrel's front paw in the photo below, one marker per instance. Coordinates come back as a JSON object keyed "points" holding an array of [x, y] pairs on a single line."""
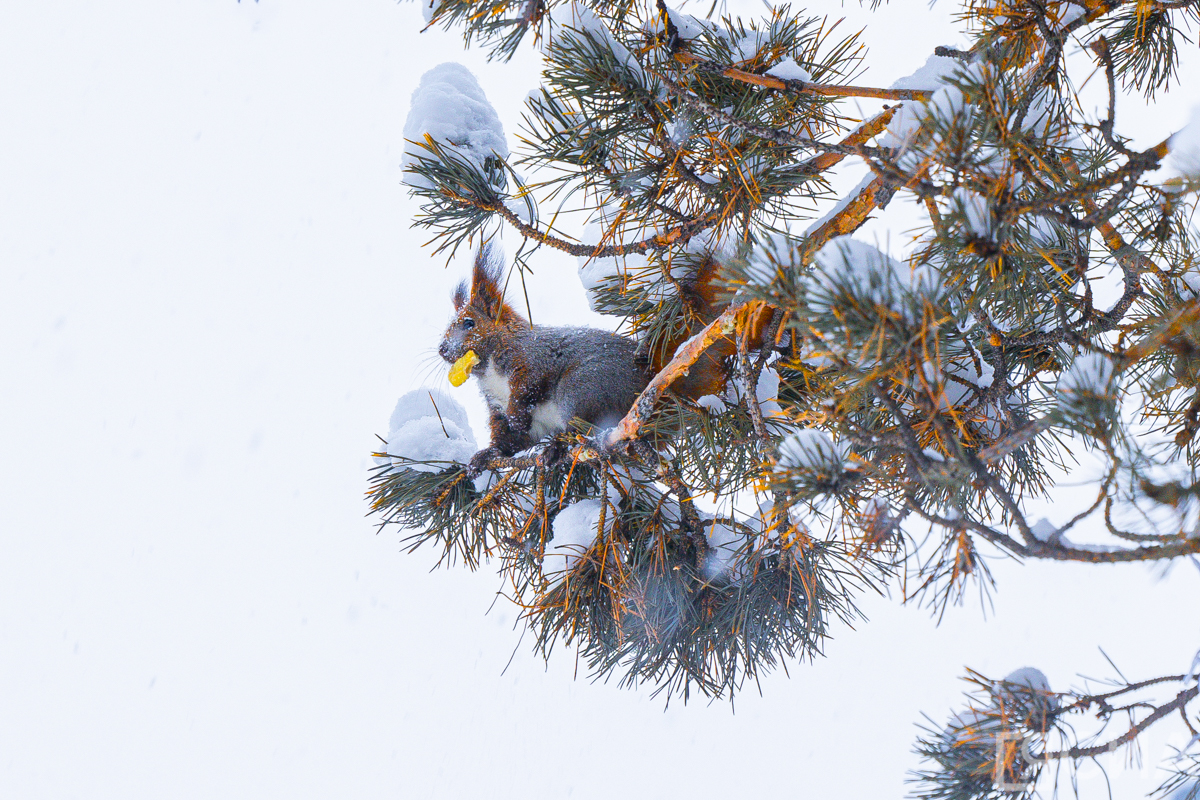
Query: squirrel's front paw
{"points": [[554, 451], [480, 460]]}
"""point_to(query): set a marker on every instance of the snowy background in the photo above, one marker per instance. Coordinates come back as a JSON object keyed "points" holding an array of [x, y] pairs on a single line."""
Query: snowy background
{"points": [[210, 302]]}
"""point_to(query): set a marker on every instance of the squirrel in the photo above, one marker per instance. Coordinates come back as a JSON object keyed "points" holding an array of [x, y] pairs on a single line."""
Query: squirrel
{"points": [[535, 378]]}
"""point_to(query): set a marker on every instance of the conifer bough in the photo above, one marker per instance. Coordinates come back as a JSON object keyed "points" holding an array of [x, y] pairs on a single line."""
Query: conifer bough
{"points": [[825, 418]]}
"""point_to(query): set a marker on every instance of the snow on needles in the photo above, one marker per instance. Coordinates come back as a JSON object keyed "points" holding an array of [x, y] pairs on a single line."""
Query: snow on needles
{"points": [[429, 8], [811, 449], [570, 20], [575, 530], [428, 425], [1090, 375], [1185, 147], [449, 106], [845, 265], [789, 70]]}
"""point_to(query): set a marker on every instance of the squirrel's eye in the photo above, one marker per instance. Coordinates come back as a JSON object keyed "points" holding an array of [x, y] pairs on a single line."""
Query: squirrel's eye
{"points": [[468, 323]]}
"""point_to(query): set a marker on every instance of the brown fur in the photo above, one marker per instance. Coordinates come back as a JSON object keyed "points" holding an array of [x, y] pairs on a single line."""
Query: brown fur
{"points": [[536, 378], [706, 299]]}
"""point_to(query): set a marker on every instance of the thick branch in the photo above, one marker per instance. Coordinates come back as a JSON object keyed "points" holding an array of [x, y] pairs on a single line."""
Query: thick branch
{"points": [[687, 355], [846, 220], [854, 140]]}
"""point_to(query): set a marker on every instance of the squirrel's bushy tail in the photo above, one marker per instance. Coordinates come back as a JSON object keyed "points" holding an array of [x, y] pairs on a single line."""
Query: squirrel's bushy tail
{"points": [[706, 298]]}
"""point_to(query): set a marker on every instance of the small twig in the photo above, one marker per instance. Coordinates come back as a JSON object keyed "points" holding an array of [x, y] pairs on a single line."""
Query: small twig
{"points": [[853, 145], [1100, 48], [800, 87], [439, 414], [678, 235], [749, 376], [1138, 163], [1135, 730], [687, 507]]}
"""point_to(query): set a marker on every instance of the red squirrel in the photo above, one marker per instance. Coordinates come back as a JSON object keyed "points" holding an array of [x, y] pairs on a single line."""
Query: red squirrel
{"points": [[536, 378]]}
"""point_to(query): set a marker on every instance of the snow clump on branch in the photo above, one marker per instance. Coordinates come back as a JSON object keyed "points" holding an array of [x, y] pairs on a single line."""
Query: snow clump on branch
{"points": [[576, 529], [933, 76], [930, 77], [847, 269], [1030, 678], [789, 70], [428, 425], [450, 107]]}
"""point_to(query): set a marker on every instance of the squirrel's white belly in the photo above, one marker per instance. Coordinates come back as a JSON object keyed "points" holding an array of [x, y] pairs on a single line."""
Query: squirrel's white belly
{"points": [[548, 416], [495, 386], [548, 419]]}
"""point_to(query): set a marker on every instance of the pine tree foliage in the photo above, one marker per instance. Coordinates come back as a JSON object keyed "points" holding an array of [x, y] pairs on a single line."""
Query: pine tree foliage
{"points": [[1016, 731], [861, 421]]}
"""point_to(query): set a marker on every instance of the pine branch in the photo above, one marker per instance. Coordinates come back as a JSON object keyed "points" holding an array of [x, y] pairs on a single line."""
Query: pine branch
{"points": [[797, 86], [1160, 712], [678, 235], [938, 391], [685, 357], [854, 144]]}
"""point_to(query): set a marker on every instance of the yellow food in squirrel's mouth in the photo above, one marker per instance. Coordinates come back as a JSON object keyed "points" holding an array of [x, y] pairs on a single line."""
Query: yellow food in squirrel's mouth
{"points": [[462, 368]]}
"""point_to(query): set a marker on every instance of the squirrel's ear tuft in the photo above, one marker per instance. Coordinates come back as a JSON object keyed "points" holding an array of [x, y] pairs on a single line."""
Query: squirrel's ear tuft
{"points": [[487, 293], [461, 293]]}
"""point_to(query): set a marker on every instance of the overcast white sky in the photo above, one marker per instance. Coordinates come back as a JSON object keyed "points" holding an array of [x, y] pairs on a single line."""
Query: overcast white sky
{"points": [[210, 299]]}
